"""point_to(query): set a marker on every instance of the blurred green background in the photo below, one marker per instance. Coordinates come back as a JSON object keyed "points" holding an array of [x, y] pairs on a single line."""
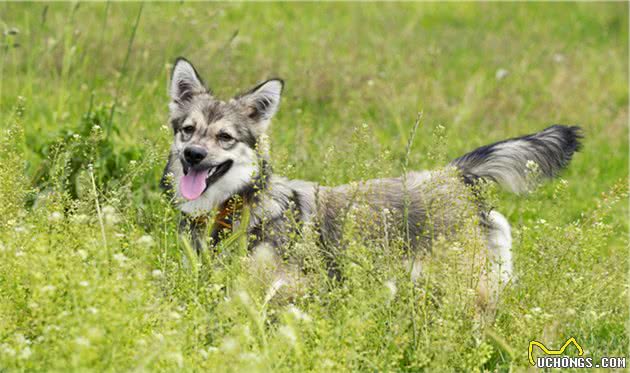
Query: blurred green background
{"points": [[356, 76]]}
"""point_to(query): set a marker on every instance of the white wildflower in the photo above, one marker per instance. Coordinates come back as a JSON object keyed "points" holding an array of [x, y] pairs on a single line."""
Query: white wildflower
{"points": [[288, 333], [299, 314], [532, 166], [21, 339], [55, 216], [82, 253], [80, 218], [82, 341], [558, 58], [120, 258], [501, 74], [536, 310], [51, 328], [7, 350], [263, 144], [112, 219], [48, 289], [84, 284], [229, 345], [156, 273], [249, 356], [110, 215], [176, 357], [145, 240], [243, 296], [390, 285], [25, 353], [175, 316], [92, 310]]}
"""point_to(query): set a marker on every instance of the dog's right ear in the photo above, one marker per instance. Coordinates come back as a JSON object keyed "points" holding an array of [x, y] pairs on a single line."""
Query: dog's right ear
{"points": [[185, 82]]}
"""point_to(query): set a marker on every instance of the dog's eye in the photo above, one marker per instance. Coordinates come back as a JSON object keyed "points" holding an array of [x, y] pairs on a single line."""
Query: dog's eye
{"points": [[188, 130], [224, 137]]}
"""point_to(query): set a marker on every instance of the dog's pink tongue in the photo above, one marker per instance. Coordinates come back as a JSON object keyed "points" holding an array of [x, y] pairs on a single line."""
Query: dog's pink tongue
{"points": [[193, 184]]}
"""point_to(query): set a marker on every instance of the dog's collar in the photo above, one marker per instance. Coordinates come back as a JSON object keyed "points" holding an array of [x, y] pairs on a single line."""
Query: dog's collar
{"points": [[225, 216], [224, 219]]}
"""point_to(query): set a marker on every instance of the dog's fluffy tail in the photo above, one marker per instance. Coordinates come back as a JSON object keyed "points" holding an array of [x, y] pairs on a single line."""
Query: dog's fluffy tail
{"points": [[511, 163]]}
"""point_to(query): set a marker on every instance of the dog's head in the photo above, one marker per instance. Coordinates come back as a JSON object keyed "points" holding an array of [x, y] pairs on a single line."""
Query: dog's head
{"points": [[214, 153]]}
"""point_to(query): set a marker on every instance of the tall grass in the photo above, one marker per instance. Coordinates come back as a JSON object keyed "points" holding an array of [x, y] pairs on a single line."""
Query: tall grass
{"points": [[94, 277]]}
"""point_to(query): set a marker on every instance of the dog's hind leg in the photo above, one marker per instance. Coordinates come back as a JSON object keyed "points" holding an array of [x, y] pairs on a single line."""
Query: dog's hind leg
{"points": [[498, 265], [499, 238], [499, 259]]}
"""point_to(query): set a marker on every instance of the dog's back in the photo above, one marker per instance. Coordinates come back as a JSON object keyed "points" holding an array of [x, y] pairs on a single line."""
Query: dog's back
{"points": [[434, 203], [424, 206], [420, 205]]}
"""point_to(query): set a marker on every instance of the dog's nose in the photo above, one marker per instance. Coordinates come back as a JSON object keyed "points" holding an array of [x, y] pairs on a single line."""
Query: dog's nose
{"points": [[194, 154]]}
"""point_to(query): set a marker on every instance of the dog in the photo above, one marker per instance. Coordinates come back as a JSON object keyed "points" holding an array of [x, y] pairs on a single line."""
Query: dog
{"points": [[219, 165]]}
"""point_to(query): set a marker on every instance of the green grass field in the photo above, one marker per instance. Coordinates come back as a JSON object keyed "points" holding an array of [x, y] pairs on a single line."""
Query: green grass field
{"points": [[83, 105]]}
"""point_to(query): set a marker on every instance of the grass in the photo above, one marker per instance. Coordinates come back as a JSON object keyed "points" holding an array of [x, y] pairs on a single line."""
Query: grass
{"points": [[94, 278]]}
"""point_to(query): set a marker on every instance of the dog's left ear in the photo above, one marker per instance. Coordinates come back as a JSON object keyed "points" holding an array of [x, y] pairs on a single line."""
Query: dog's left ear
{"points": [[262, 102]]}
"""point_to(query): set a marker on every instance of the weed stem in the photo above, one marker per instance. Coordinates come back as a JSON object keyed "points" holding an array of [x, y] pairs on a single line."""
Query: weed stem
{"points": [[99, 212]]}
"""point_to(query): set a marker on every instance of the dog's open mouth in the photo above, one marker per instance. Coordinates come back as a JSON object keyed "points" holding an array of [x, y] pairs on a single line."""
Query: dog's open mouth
{"points": [[195, 182]]}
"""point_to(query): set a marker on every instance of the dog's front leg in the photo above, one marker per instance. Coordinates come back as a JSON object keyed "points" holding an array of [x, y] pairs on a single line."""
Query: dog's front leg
{"points": [[278, 276], [195, 231]]}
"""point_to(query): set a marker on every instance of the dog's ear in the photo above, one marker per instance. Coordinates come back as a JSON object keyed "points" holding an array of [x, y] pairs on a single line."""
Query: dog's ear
{"points": [[185, 82], [262, 102]]}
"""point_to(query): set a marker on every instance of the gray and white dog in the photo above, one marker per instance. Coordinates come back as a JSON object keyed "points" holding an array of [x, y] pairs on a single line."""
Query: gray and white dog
{"points": [[218, 155]]}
